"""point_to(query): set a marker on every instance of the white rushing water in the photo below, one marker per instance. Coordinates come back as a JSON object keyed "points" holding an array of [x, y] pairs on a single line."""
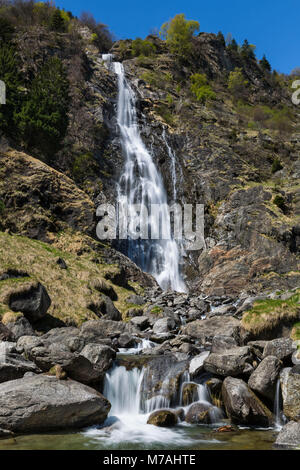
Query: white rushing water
{"points": [[141, 183]]}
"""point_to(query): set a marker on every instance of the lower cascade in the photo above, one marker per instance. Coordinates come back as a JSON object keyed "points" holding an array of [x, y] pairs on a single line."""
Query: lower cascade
{"points": [[141, 183]]}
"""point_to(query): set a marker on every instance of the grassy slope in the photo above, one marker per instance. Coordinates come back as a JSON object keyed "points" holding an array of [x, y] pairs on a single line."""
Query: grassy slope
{"points": [[71, 290]]}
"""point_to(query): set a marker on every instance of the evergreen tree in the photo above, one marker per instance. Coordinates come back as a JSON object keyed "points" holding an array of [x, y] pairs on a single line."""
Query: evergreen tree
{"points": [[57, 22], [10, 76], [43, 119], [233, 46], [6, 30], [220, 37], [265, 64], [247, 50]]}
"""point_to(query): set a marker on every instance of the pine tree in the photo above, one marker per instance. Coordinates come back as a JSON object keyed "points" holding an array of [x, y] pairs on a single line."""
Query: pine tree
{"points": [[220, 37], [247, 50], [10, 76], [6, 30], [57, 22], [265, 64], [43, 120]]}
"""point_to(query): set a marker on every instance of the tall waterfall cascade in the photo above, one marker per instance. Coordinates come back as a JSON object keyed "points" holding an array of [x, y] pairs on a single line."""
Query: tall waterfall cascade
{"points": [[141, 183]]}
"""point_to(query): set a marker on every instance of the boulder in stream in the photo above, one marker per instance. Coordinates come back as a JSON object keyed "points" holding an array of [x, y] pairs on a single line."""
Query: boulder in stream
{"points": [[163, 418]]}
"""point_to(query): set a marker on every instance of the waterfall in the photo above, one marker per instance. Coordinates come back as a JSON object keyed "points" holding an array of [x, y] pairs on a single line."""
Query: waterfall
{"points": [[141, 183], [280, 419]]}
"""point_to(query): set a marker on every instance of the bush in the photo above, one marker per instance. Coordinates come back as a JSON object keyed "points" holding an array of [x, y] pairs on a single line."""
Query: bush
{"points": [[276, 165], [178, 33], [142, 47], [9, 74], [237, 83], [265, 64], [82, 166], [6, 30], [57, 22], [200, 89], [279, 202]]}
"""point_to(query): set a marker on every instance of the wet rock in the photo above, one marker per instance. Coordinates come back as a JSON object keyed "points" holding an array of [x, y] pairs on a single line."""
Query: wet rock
{"points": [[196, 364], [101, 356], [163, 418], [205, 330], [242, 405], [43, 403], [198, 413], [21, 327], [289, 436], [189, 393], [79, 368], [14, 366], [263, 380], [179, 412], [32, 300], [232, 362], [140, 322], [290, 388], [222, 343], [282, 348], [214, 387], [7, 347]]}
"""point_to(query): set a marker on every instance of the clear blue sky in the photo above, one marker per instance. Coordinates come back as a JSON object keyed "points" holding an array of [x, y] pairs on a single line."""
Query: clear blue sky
{"points": [[272, 25]]}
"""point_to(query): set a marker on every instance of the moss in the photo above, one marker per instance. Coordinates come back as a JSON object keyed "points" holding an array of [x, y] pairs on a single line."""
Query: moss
{"points": [[156, 310], [296, 332], [270, 313]]}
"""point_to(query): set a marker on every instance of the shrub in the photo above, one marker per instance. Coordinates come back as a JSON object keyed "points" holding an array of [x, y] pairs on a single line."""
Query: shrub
{"points": [[265, 64], [6, 30], [276, 165], [142, 47], [9, 74], [57, 22], [200, 89], [82, 166], [178, 33], [237, 83], [279, 202]]}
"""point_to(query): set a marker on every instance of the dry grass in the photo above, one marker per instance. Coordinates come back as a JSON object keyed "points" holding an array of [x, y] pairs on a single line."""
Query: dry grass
{"points": [[270, 313], [71, 290]]}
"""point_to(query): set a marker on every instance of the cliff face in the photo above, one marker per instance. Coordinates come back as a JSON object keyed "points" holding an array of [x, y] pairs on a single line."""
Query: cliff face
{"points": [[225, 159]]}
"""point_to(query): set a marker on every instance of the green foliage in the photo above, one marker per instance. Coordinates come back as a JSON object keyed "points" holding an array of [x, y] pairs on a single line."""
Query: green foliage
{"points": [[237, 83], [141, 47], [82, 166], [265, 64], [6, 30], [43, 119], [248, 51], [178, 33], [57, 22], [232, 46], [276, 165], [200, 89], [9, 74], [221, 39], [279, 202]]}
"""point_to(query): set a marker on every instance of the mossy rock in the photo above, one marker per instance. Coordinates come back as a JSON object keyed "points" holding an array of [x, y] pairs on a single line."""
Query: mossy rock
{"points": [[163, 419]]}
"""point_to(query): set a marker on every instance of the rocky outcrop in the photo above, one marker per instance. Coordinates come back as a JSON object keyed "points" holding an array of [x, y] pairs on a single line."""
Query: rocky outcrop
{"points": [[263, 380], [14, 366], [101, 356], [205, 330], [43, 403], [282, 348], [242, 405]]}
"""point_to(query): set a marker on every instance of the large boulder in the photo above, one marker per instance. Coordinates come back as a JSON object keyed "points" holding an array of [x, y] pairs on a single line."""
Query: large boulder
{"points": [[205, 330], [94, 331], [100, 355], [140, 322], [289, 436], [263, 380], [232, 362], [13, 366], [105, 308], [290, 387], [20, 327], [221, 343], [196, 364], [242, 405], [163, 325], [163, 418], [199, 413], [5, 333], [31, 299], [43, 403], [282, 348]]}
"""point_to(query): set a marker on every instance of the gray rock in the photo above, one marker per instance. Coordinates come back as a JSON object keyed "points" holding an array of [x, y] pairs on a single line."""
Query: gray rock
{"points": [[205, 330], [5, 333], [289, 436], [126, 340], [282, 348], [135, 299], [163, 418], [222, 343], [290, 388], [14, 366], [196, 364], [43, 403], [27, 343], [263, 380], [163, 325], [7, 347], [101, 356], [32, 300], [198, 413], [140, 322], [94, 331], [21, 327], [232, 362], [242, 405]]}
